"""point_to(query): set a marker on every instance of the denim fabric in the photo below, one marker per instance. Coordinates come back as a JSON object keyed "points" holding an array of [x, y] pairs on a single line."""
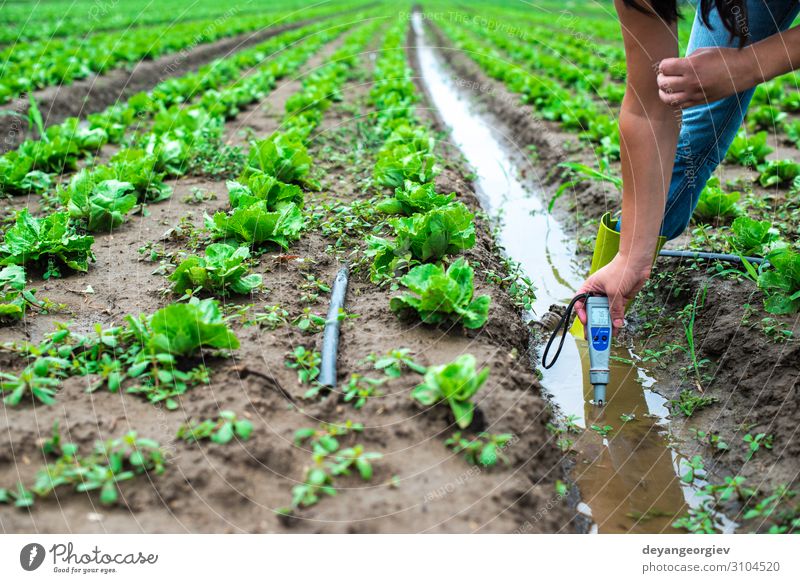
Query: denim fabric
{"points": [[708, 130]]}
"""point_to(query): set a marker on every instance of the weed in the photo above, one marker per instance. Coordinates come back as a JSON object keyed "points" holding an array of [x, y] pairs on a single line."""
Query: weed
{"points": [[306, 362], [605, 430], [395, 362], [360, 388], [756, 442], [485, 449], [690, 402], [220, 430]]}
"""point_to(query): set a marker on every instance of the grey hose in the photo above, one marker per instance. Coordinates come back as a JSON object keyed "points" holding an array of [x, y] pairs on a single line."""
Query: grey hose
{"points": [[330, 337], [712, 256]]}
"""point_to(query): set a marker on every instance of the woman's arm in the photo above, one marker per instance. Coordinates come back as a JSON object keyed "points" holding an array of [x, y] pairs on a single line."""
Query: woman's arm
{"points": [[713, 73], [648, 139]]}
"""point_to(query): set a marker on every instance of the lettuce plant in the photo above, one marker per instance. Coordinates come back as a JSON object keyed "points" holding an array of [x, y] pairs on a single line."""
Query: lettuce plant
{"points": [[455, 382], [51, 239], [423, 237], [14, 298], [257, 186], [280, 156], [182, 329], [223, 270], [750, 237], [101, 205], [255, 224], [17, 175], [782, 282], [778, 172], [414, 198], [436, 295], [400, 163], [749, 150], [715, 204], [139, 168]]}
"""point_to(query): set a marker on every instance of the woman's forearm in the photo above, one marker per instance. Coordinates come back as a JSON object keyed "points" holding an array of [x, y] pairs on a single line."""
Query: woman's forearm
{"points": [[648, 142], [776, 55]]}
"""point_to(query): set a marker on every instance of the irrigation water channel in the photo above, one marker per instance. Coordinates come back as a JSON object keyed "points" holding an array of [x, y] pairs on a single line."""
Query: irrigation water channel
{"points": [[628, 481]]}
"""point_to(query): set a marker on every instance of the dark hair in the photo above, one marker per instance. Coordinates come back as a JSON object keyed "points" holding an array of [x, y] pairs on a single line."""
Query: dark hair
{"points": [[733, 13]]}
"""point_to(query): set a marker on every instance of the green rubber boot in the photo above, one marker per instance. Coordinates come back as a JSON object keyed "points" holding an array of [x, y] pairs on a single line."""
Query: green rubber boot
{"points": [[606, 247]]}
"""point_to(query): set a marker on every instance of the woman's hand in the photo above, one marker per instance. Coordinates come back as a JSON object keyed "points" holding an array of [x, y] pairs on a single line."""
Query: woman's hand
{"points": [[707, 75], [620, 281]]}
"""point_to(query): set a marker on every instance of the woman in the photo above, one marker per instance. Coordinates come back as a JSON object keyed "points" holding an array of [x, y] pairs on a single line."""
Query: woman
{"points": [[734, 46]]}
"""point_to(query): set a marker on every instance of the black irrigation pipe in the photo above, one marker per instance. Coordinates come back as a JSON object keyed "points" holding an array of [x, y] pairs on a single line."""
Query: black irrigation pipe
{"points": [[712, 256], [330, 337]]}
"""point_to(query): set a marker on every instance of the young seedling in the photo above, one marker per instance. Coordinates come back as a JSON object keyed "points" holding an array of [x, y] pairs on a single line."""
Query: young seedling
{"points": [[38, 381], [309, 322], [605, 430], [271, 318], [627, 417], [329, 462], [221, 430], [690, 402], [306, 362], [694, 469], [456, 383], [360, 388], [710, 438], [756, 442], [486, 449], [395, 362]]}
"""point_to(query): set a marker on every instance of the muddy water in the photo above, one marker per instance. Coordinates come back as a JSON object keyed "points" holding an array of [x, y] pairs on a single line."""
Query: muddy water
{"points": [[628, 479]]}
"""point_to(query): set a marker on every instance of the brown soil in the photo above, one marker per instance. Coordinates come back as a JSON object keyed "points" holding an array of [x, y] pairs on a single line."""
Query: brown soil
{"points": [[419, 485], [753, 377]]}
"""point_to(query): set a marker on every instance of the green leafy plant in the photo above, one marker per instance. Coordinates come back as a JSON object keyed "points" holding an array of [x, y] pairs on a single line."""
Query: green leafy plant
{"points": [[329, 462], [112, 461], [750, 237], [456, 383], [710, 438], [715, 204], [402, 162], [395, 362], [423, 237], [486, 449], [694, 469], [359, 388], [756, 442], [778, 172], [14, 298], [223, 270], [436, 295], [749, 150], [305, 362], [309, 322], [279, 155], [260, 187], [689, 402], [781, 283], [101, 205], [255, 224], [271, 317], [39, 380], [52, 238], [413, 197], [221, 430], [604, 430]]}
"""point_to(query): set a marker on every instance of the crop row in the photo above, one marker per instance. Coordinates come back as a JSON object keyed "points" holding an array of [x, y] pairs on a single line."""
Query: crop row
{"points": [[77, 19], [40, 64], [60, 146]]}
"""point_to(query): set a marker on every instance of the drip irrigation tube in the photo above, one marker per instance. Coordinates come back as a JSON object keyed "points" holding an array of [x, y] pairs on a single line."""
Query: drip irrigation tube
{"points": [[330, 337], [712, 256]]}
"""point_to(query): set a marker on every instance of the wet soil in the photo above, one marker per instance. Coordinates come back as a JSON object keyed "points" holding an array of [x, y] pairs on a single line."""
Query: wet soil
{"points": [[753, 377], [419, 485]]}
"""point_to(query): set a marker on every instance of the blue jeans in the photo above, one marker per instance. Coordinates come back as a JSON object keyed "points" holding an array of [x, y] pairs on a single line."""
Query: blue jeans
{"points": [[708, 130]]}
